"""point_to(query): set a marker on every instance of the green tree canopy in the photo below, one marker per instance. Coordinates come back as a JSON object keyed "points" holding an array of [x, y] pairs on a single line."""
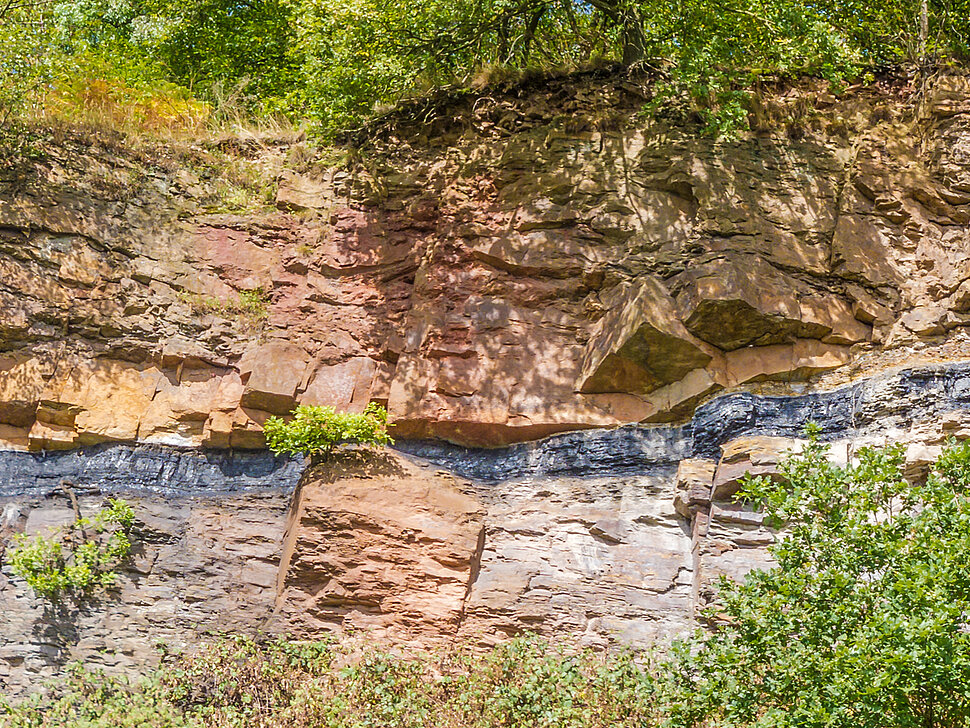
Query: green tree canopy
{"points": [[332, 61]]}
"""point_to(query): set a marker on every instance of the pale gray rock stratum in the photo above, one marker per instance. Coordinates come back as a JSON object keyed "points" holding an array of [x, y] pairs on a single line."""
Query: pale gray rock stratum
{"points": [[665, 310]]}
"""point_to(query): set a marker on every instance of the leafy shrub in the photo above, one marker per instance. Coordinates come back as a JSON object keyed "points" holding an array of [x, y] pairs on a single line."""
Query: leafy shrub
{"points": [[253, 302], [526, 682], [316, 430], [239, 682], [864, 620], [89, 699], [77, 558], [250, 305]]}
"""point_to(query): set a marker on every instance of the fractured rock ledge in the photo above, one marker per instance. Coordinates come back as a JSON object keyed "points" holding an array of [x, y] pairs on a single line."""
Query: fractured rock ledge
{"points": [[887, 402], [488, 288]]}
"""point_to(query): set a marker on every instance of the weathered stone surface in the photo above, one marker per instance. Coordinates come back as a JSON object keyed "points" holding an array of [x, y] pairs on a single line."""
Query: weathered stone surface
{"points": [[199, 565], [378, 543], [695, 477], [757, 455], [347, 386], [519, 284], [275, 372], [22, 380], [641, 344], [299, 192], [103, 400], [676, 401], [740, 301], [731, 304], [603, 559], [801, 359], [593, 537]]}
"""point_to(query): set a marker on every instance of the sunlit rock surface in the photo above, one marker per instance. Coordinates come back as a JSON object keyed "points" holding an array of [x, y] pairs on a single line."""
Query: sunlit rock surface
{"points": [[489, 286], [585, 333], [597, 537]]}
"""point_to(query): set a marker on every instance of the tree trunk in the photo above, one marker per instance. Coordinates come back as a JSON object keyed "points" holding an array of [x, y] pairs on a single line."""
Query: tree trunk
{"points": [[503, 41], [627, 16], [924, 31], [530, 32], [631, 36]]}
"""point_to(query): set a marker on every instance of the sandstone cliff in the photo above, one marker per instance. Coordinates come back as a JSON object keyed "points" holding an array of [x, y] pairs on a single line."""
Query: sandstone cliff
{"points": [[513, 273], [607, 536], [524, 263]]}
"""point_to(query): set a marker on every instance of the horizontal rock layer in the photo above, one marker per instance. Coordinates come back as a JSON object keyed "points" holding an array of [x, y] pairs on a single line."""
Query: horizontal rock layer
{"points": [[147, 469], [872, 406], [598, 537], [521, 272]]}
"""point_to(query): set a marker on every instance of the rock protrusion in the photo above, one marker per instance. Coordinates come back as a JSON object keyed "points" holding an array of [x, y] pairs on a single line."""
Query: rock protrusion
{"points": [[377, 542], [695, 478]]}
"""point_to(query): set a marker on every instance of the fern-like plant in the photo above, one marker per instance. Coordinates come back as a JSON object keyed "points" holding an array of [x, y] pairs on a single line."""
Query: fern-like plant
{"points": [[315, 431]]}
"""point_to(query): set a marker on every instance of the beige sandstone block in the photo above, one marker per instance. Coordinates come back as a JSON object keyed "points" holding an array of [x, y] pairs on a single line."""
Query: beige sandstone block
{"points": [[695, 478], [276, 372], [755, 455]]}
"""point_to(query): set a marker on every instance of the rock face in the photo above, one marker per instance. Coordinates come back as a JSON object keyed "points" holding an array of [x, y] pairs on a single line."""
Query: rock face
{"points": [[667, 312], [498, 275], [377, 543], [199, 567], [596, 537]]}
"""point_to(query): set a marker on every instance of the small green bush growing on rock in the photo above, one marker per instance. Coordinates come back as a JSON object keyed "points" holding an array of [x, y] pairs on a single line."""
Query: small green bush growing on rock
{"points": [[315, 431], [253, 303], [77, 558], [250, 305]]}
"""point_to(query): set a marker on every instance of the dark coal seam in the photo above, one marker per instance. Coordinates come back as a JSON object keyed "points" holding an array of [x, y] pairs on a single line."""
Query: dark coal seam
{"points": [[866, 407], [150, 470]]}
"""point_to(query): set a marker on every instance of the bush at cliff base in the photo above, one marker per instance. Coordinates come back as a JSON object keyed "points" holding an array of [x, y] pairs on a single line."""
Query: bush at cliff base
{"points": [[242, 683], [863, 622]]}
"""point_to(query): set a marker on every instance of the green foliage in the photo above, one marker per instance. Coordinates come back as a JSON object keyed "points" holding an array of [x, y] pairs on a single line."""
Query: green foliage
{"points": [[149, 64], [253, 303], [250, 305], [364, 53], [864, 620], [244, 683], [715, 52], [316, 430], [24, 61], [88, 699], [234, 48], [525, 683], [78, 558]]}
